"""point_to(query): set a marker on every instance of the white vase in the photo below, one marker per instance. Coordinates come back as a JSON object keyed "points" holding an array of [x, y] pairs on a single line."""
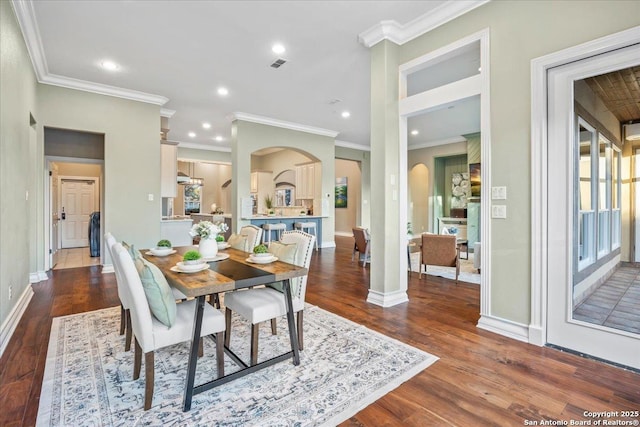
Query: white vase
{"points": [[208, 248]]}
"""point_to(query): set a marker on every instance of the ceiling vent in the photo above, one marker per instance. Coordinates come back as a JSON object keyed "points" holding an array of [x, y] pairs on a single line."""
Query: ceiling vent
{"points": [[278, 63]]}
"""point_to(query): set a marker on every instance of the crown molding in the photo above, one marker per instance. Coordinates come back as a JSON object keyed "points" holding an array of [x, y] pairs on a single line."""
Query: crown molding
{"points": [[101, 89], [165, 112], [26, 17], [401, 34], [352, 145], [283, 124], [202, 147], [437, 142]]}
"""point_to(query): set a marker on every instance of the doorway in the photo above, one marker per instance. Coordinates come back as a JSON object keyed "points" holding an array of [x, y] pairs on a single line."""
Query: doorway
{"points": [[587, 205], [348, 196]]}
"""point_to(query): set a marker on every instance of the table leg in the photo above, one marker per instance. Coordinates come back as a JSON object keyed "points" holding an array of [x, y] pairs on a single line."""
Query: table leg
{"points": [[193, 355], [293, 333]]}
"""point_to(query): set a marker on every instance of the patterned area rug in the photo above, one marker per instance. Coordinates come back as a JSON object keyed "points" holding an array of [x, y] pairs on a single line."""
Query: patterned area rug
{"points": [[467, 272], [344, 367]]}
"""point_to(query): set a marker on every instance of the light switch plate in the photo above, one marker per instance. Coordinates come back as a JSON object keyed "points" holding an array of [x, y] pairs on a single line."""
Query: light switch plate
{"points": [[150, 197], [499, 211], [499, 193]]}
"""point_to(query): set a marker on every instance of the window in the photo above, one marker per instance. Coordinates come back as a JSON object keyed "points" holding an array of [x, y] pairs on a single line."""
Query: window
{"points": [[598, 195]]}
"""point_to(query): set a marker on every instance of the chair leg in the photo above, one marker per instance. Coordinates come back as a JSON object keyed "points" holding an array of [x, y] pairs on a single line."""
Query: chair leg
{"points": [[274, 327], [300, 319], [137, 360], [255, 331], [200, 347], [129, 331], [123, 319], [220, 353], [366, 255], [227, 332], [149, 379]]}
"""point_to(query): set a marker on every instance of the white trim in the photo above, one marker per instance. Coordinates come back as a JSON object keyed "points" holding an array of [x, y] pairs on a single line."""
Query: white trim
{"points": [[165, 112], [330, 244], [539, 170], [343, 233], [387, 299], [439, 97], [11, 322], [282, 124], [202, 147], [37, 276], [42, 275], [102, 89], [353, 145], [107, 268], [400, 34], [437, 142], [517, 331]]}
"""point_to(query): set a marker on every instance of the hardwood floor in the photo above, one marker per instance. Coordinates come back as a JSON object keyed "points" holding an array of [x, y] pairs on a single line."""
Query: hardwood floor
{"points": [[481, 378]]}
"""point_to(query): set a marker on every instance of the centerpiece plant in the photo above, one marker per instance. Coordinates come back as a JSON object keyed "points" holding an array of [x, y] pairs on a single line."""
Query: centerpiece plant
{"points": [[208, 231]]}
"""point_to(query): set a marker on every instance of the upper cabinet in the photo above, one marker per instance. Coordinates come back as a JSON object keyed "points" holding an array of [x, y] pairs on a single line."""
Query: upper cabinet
{"points": [[168, 170], [305, 181]]}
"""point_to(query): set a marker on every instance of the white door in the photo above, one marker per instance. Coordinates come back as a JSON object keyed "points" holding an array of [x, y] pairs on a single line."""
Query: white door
{"points": [[636, 184], [77, 204], [562, 328], [55, 214]]}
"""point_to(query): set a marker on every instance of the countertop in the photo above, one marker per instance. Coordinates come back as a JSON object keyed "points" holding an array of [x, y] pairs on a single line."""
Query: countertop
{"points": [[175, 218], [284, 217]]}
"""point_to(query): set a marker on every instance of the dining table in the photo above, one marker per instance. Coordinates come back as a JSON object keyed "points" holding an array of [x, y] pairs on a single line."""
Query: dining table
{"points": [[231, 270]]}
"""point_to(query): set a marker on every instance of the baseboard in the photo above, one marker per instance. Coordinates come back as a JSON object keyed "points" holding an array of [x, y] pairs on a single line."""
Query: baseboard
{"points": [[38, 276], [388, 299], [11, 322], [536, 336], [517, 331], [107, 268], [42, 275], [343, 233], [331, 244]]}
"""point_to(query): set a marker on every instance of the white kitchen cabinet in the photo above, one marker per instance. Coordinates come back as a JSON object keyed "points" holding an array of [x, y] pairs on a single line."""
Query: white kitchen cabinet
{"points": [[168, 170], [305, 181]]}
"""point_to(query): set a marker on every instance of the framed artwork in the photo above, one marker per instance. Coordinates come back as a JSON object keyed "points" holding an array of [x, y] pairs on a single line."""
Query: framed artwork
{"points": [[459, 189], [341, 192], [474, 179]]}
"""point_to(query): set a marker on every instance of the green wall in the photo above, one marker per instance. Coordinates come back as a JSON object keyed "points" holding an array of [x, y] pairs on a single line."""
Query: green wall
{"points": [[519, 32], [18, 165]]}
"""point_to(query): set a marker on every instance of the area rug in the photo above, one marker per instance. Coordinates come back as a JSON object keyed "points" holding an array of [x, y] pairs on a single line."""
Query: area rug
{"points": [[344, 367], [467, 272]]}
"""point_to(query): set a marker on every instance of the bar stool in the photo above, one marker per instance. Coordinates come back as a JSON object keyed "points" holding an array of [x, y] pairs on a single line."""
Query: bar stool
{"points": [[310, 226], [268, 228]]}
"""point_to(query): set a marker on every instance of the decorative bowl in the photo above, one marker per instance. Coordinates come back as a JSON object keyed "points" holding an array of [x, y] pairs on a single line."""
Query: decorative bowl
{"points": [[183, 266], [198, 261], [161, 251], [262, 255]]}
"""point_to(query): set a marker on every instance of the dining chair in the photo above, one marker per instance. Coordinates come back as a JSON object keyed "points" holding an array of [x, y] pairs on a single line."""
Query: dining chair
{"points": [[441, 250], [268, 303], [361, 245], [254, 236], [151, 334], [125, 320]]}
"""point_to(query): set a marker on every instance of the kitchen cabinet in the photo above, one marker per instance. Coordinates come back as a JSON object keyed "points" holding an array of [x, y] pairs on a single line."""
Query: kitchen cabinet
{"points": [[168, 170], [305, 181], [262, 185]]}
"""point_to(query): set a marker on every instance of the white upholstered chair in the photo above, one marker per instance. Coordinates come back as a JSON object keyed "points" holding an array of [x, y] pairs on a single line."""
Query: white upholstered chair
{"points": [[261, 304], [254, 236], [125, 320], [151, 334]]}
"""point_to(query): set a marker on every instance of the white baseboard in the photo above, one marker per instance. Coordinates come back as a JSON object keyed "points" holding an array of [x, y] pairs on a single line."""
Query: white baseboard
{"points": [[517, 331], [331, 244], [536, 336], [107, 268], [38, 276], [343, 233], [11, 322], [42, 275], [388, 299]]}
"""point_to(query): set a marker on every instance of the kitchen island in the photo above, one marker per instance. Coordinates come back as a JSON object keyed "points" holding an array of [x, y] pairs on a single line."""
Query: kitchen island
{"points": [[176, 230], [289, 221]]}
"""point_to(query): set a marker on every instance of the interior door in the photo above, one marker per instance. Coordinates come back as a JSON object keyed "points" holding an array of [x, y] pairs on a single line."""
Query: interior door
{"points": [[55, 214], [77, 204], [563, 224]]}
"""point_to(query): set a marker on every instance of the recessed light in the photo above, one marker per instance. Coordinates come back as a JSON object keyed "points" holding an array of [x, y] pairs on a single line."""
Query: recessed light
{"points": [[346, 114], [206, 125], [192, 134], [109, 65], [414, 132], [223, 91], [219, 138], [278, 49]]}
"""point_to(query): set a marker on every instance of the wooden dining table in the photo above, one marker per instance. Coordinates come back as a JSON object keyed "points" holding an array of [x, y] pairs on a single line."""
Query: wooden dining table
{"points": [[227, 275]]}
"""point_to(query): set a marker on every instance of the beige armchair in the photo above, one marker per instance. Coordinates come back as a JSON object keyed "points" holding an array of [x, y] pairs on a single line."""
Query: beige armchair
{"points": [[362, 238], [439, 250]]}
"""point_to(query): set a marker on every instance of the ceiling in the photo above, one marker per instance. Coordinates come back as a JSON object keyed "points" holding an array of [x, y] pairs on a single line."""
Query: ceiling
{"points": [[620, 92], [186, 50]]}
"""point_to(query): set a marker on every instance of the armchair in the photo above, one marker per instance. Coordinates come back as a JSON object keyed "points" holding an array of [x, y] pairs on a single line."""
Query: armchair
{"points": [[439, 250]]}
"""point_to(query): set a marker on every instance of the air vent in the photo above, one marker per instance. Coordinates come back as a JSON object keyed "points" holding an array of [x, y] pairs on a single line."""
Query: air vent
{"points": [[278, 63]]}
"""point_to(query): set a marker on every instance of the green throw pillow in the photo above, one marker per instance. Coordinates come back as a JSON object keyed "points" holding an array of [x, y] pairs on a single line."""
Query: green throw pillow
{"points": [[238, 241], [159, 296], [286, 252], [136, 256]]}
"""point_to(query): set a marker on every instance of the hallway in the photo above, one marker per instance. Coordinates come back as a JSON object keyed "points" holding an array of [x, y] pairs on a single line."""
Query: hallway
{"points": [[75, 257]]}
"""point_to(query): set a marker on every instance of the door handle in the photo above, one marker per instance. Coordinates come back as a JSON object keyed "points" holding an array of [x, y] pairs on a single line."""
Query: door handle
{"points": [[64, 215]]}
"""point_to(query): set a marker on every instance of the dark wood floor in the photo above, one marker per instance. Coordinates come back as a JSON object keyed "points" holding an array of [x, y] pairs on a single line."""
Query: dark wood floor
{"points": [[481, 378]]}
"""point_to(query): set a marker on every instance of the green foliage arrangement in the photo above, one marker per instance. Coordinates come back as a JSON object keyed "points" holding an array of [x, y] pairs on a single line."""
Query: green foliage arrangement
{"points": [[191, 256], [268, 201], [219, 238], [260, 249], [164, 243]]}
